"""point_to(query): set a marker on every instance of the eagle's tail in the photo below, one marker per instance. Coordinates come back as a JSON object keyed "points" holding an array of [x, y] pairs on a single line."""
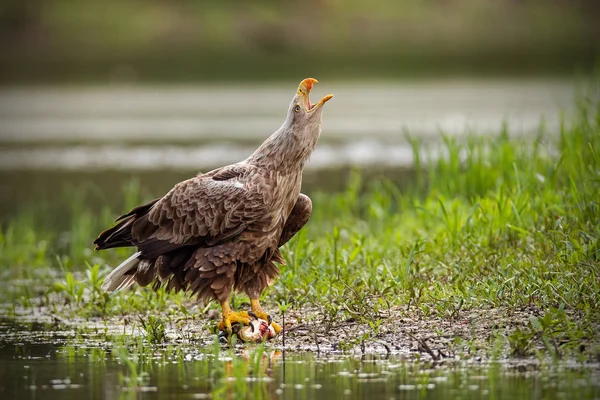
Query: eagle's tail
{"points": [[120, 234], [123, 276]]}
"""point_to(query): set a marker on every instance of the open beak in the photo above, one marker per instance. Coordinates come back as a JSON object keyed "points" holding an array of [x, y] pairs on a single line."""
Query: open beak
{"points": [[304, 90]]}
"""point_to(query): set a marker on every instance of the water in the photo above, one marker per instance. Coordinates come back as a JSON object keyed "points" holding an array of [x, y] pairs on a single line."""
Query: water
{"points": [[86, 366], [54, 139], [199, 127]]}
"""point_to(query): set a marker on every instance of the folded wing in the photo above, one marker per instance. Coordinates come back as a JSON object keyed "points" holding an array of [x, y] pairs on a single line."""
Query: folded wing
{"points": [[206, 210]]}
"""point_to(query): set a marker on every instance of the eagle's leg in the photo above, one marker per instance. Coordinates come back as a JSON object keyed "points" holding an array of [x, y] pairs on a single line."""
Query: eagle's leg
{"points": [[258, 311], [297, 219], [230, 317]]}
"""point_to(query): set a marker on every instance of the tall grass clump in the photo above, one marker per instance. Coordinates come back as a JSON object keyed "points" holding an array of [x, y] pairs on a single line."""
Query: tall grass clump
{"points": [[493, 221]]}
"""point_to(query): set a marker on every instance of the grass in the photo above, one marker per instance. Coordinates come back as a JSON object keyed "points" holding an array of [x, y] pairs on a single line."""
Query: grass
{"points": [[493, 223]]}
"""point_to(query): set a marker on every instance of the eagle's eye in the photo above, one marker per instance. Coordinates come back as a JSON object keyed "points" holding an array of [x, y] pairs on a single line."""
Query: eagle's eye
{"points": [[297, 108]]}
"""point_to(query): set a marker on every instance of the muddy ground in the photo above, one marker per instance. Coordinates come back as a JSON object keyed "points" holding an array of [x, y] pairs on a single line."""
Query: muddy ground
{"points": [[476, 334]]}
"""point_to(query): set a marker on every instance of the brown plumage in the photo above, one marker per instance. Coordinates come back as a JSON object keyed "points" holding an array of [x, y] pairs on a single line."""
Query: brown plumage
{"points": [[222, 230]]}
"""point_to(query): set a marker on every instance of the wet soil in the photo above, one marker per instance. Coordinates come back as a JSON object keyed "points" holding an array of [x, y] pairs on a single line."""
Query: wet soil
{"points": [[476, 334]]}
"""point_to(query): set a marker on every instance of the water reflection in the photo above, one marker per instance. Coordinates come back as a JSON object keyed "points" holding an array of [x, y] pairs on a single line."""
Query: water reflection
{"points": [[175, 113], [204, 157], [153, 128], [134, 370]]}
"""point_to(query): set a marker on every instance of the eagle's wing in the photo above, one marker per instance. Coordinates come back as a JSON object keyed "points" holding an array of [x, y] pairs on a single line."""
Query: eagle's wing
{"points": [[207, 209]]}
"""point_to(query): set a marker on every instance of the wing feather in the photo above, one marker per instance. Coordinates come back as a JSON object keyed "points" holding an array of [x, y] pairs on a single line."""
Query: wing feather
{"points": [[208, 209]]}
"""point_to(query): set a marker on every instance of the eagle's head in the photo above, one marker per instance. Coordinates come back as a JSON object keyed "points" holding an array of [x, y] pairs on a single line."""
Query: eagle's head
{"points": [[303, 113], [292, 144]]}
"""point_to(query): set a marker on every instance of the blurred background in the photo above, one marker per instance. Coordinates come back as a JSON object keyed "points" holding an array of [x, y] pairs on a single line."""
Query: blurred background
{"points": [[95, 93]]}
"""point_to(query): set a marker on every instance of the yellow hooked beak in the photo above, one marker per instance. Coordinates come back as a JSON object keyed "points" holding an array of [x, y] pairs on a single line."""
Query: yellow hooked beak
{"points": [[304, 90]]}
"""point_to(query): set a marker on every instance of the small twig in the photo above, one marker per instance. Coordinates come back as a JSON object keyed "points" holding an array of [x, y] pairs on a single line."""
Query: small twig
{"points": [[456, 310], [554, 347], [184, 318], [425, 346], [349, 288], [295, 328], [384, 344]]}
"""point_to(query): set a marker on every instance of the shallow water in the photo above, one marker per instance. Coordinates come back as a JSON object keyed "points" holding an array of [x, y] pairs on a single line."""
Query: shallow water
{"points": [[38, 364], [55, 139], [199, 127]]}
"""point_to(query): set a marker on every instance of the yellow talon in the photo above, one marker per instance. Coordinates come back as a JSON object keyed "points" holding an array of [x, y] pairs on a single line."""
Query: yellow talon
{"points": [[276, 327], [230, 317], [258, 311]]}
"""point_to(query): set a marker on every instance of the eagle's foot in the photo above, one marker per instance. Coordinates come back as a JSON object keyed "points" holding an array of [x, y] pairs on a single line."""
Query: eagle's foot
{"points": [[275, 326], [231, 317], [258, 312]]}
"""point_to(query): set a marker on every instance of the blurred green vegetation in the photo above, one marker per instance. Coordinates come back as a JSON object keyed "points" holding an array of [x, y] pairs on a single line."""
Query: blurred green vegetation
{"points": [[157, 40]]}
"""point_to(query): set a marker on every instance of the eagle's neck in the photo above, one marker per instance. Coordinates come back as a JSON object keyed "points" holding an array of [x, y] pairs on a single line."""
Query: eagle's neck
{"points": [[286, 150]]}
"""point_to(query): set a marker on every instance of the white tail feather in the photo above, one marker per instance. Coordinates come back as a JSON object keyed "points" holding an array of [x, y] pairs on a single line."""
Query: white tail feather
{"points": [[117, 279]]}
